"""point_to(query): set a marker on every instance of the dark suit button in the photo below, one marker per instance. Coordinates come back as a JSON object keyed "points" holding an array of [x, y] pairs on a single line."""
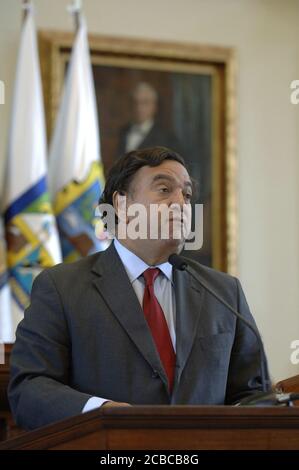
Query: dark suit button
{"points": [[155, 374]]}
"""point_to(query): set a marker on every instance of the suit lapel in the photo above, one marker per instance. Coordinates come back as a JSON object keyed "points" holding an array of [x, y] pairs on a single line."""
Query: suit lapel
{"points": [[146, 142], [188, 306], [114, 286]]}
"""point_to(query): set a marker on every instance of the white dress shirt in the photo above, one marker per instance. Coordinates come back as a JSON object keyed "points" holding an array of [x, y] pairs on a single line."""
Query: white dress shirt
{"points": [[137, 134], [164, 293]]}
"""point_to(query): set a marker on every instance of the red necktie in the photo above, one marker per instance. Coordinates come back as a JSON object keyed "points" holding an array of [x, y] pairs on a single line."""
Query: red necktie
{"points": [[158, 325]]}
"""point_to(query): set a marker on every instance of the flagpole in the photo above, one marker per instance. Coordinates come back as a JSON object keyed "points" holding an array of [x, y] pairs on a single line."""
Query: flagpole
{"points": [[26, 5], [75, 8]]}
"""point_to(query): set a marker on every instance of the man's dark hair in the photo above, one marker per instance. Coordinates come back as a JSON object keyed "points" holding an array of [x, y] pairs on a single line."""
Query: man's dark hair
{"points": [[123, 171]]}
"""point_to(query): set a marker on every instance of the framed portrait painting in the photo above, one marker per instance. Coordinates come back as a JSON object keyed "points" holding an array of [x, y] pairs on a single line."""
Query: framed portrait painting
{"points": [[181, 96]]}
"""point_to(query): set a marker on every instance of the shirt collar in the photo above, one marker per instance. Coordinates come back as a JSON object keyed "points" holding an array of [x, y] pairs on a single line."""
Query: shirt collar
{"points": [[135, 266], [144, 127]]}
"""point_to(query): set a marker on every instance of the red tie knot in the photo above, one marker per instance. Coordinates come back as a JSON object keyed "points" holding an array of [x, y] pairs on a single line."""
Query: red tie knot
{"points": [[150, 275]]}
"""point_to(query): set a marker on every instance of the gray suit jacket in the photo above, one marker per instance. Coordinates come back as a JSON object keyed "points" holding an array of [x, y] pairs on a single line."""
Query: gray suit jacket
{"points": [[85, 335]]}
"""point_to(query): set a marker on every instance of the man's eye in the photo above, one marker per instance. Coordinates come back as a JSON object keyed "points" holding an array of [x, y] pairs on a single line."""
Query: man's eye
{"points": [[164, 190]]}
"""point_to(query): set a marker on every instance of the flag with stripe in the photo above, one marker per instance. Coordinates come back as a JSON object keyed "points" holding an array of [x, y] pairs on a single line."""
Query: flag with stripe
{"points": [[31, 231], [75, 169]]}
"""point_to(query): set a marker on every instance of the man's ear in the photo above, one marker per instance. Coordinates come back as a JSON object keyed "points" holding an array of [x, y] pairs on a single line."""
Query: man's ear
{"points": [[119, 204]]}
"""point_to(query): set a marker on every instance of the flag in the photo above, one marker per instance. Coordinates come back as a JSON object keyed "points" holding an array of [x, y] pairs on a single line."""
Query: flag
{"points": [[75, 169], [31, 232], [6, 321]]}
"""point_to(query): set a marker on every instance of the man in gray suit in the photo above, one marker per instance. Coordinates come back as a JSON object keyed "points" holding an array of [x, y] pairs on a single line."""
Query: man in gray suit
{"points": [[122, 327]]}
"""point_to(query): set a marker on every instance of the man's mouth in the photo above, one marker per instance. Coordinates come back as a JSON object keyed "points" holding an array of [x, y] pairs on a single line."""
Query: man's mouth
{"points": [[176, 219]]}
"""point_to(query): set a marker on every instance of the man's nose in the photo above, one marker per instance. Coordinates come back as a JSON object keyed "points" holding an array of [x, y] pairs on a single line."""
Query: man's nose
{"points": [[178, 198]]}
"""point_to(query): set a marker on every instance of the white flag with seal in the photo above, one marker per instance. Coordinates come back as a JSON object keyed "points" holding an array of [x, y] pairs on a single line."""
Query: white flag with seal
{"points": [[75, 169], [31, 231]]}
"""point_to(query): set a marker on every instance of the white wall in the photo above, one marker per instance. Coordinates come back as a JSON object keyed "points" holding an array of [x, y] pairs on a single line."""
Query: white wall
{"points": [[265, 34]]}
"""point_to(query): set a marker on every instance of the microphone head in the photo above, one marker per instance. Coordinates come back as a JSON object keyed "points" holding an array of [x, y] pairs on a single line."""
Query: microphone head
{"points": [[177, 262]]}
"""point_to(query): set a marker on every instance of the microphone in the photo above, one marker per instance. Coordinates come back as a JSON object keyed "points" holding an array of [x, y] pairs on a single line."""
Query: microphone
{"points": [[181, 264], [270, 399]]}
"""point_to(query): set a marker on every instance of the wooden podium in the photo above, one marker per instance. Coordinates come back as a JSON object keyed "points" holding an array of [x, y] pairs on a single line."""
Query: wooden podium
{"points": [[7, 426], [159, 427], [169, 428]]}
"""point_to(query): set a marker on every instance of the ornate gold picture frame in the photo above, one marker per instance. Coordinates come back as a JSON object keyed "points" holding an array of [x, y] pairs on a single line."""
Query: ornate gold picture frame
{"points": [[195, 86]]}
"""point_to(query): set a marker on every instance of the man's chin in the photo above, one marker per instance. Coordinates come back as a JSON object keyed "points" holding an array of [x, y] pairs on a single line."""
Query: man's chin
{"points": [[174, 243]]}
